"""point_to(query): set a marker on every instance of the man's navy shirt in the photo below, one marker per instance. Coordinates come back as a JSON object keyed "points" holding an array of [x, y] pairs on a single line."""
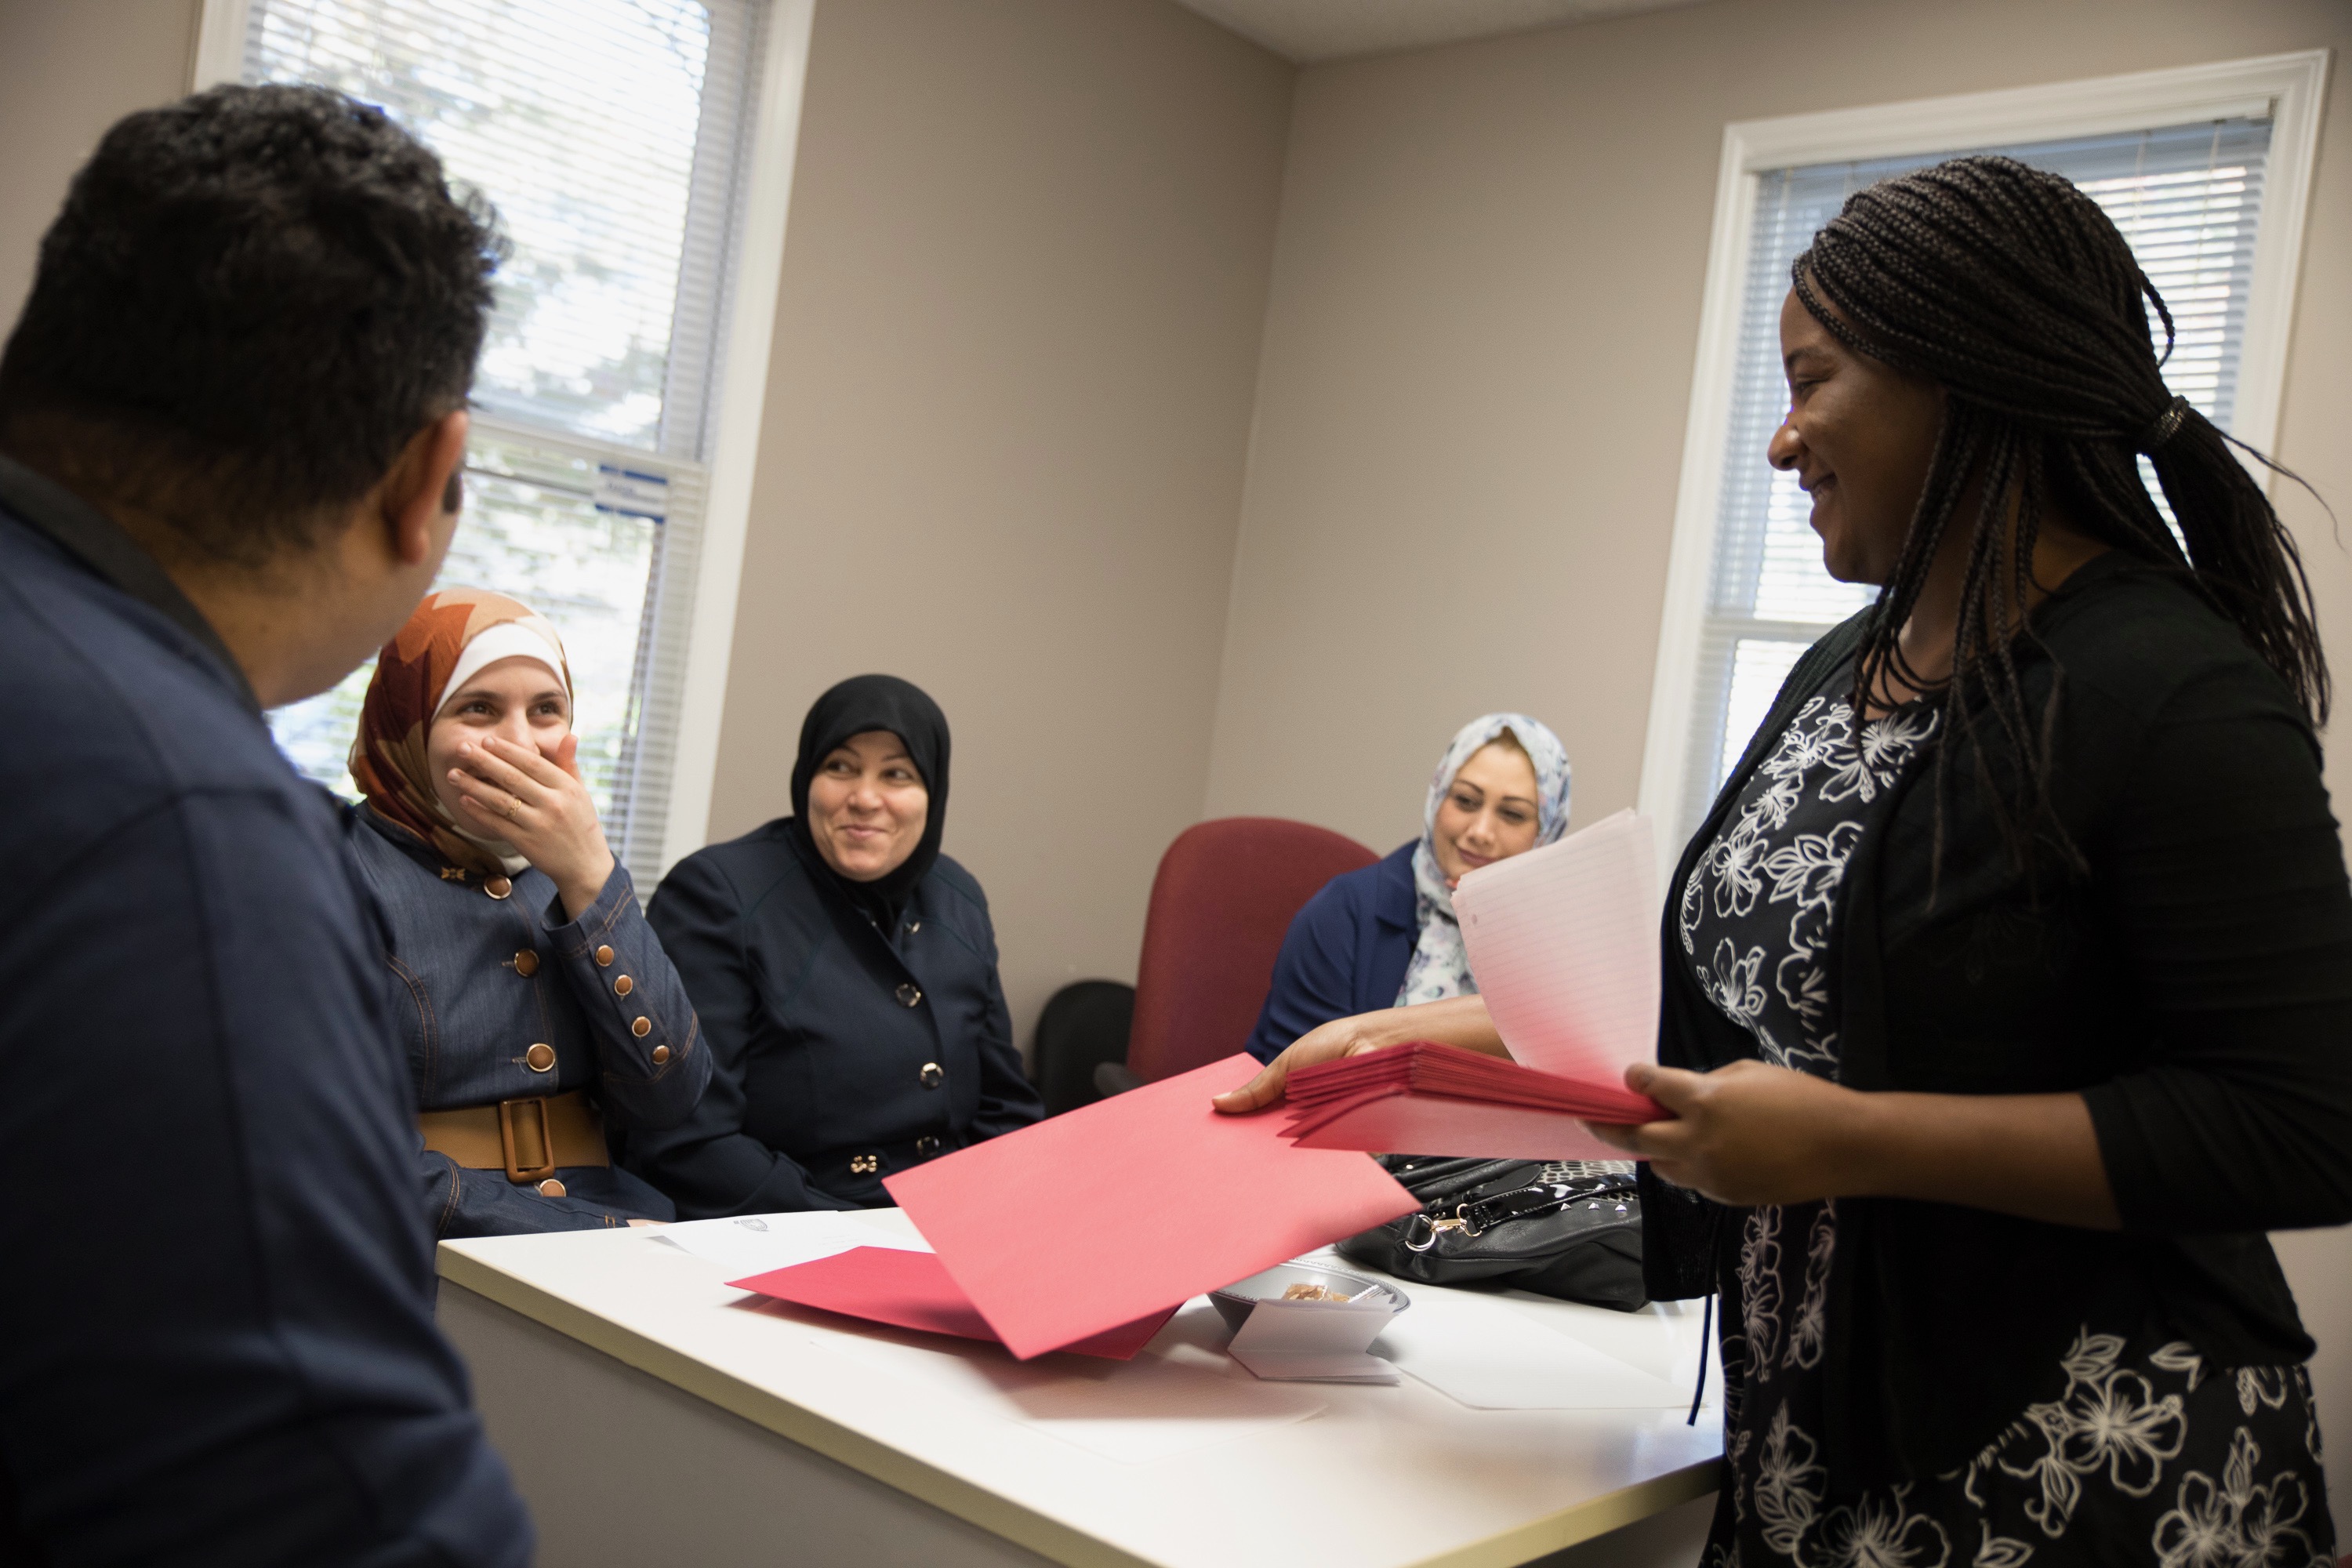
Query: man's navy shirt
{"points": [[216, 1336]]}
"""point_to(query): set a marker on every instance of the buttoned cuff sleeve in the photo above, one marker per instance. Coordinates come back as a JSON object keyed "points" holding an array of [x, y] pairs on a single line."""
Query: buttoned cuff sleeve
{"points": [[463, 1202], [648, 1049]]}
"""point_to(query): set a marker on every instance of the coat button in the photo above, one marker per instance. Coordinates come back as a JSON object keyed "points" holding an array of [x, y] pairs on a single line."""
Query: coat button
{"points": [[550, 1189], [909, 994], [539, 1057], [642, 1027], [661, 1054], [603, 957], [526, 964], [624, 985], [497, 887], [865, 1164], [934, 1075], [926, 1145]]}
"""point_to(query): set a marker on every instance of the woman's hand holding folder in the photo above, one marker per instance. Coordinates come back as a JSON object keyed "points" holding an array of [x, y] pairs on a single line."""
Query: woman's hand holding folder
{"points": [[1750, 1133], [1456, 1021]]}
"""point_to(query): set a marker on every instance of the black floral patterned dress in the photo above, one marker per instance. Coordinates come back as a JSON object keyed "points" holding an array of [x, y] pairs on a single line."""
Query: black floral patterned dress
{"points": [[2142, 1454]]}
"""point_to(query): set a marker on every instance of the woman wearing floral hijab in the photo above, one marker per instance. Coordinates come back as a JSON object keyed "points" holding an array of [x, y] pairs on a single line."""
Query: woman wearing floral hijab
{"points": [[533, 998], [1385, 936]]}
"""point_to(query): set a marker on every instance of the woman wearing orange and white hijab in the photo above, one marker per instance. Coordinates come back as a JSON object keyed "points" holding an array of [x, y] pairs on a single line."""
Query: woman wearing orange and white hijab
{"points": [[534, 1000]]}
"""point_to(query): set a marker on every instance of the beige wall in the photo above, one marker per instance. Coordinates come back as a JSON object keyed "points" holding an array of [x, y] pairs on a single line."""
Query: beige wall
{"points": [[1006, 429], [1478, 352], [1478, 359], [69, 68]]}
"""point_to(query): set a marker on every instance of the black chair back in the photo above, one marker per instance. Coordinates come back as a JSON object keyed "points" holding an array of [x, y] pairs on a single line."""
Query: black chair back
{"points": [[1084, 1023]]}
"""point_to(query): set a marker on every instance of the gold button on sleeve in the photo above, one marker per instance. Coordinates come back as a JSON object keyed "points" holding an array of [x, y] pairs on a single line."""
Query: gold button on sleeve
{"points": [[624, 985], [661, 1054], [642, 1027]]}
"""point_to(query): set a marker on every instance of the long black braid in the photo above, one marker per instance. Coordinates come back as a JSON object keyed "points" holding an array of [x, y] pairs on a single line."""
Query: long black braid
{"points": [[2015, 292]]}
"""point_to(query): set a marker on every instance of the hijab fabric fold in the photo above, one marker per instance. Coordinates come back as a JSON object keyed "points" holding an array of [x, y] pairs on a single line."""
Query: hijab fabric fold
{"points": [[861, 703], [453, 635], [1441, 966]]}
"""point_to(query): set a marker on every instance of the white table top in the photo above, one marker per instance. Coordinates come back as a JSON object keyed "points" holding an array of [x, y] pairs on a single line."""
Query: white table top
{"points": [[1373, 1477]]}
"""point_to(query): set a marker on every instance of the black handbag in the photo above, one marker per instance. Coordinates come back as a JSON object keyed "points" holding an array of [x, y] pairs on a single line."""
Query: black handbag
{"points": [[1572, 1230]]}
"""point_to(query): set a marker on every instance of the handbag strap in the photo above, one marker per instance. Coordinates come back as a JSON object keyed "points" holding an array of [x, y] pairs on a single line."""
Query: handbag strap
{"points": [[1536, 1198]]}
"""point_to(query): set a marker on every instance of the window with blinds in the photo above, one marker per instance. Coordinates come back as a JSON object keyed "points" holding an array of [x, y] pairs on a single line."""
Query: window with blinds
{"points": [[610, 135], [2187, 198]]}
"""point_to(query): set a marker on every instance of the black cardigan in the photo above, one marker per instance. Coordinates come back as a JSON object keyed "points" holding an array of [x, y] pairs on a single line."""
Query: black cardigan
{"points": [[838, 1054], [2193, 981]]}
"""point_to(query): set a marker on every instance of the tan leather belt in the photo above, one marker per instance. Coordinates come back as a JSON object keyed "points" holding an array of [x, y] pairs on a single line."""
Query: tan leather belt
{"points": [[527, 1139]]}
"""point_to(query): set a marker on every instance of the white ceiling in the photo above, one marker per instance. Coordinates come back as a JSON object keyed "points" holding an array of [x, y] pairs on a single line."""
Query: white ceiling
{"points": [[1306, 31]]}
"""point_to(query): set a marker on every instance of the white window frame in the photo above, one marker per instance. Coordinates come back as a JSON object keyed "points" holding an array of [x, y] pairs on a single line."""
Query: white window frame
{"points": [[745, 330], [2286, 87]]}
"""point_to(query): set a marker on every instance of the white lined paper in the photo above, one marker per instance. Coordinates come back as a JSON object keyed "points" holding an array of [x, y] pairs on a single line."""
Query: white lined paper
{"points": [[1563, 941]]}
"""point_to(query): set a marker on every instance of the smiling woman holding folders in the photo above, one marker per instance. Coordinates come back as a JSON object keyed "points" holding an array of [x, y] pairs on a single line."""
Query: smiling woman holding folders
{"points": [[2007, 984], [845, 973]]}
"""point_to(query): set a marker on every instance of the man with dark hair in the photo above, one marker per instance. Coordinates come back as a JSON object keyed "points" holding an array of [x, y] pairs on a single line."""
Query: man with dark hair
{"points": [[232, 418]]}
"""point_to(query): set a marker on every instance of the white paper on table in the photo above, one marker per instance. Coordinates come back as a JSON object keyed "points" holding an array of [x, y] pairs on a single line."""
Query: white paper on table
{"points": [[754, 1244], [1563, 941], [1313, 1342], [1478, 1351], [1133, 1411]]}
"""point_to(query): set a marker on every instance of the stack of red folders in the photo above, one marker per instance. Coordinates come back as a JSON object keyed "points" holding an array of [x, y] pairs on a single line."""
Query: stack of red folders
{"points": [[1423, 1097]]}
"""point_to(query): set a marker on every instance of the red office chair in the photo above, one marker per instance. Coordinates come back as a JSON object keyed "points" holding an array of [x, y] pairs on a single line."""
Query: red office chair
{"points": [[1224, 896]]}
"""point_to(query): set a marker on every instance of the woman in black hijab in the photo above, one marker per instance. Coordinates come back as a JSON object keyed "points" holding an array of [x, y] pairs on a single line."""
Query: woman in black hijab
{"points": [[845, 972]]}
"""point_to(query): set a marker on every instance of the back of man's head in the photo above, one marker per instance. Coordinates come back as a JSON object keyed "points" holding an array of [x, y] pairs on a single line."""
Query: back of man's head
{"points": [[251, 303]]}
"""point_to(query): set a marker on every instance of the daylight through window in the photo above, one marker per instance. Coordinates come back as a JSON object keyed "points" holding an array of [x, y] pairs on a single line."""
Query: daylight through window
{"points": [[609, 134]]}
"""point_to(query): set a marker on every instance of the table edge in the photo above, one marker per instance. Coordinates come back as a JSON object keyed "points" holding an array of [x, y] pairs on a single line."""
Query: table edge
{"points": [[975, 1504], [918, 1479], [1587, 1520]]}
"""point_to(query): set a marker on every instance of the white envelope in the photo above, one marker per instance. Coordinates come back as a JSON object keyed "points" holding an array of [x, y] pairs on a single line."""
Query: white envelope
{"points": [[1314, 1341]]}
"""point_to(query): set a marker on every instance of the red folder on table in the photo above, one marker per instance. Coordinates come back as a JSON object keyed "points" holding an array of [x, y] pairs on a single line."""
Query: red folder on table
{"points": [[1431, 1099], [911, 1290], [1106, 1215], [1563, 943]]}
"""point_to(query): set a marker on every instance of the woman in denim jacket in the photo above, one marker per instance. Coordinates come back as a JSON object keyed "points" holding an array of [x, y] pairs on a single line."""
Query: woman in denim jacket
{"points": [[535, 1000]]}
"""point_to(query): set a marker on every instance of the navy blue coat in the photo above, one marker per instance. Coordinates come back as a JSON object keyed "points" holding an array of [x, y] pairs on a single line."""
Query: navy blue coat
{"points": [[217, 1341], [1345, 952], [838, 1053], [470, 1009]]}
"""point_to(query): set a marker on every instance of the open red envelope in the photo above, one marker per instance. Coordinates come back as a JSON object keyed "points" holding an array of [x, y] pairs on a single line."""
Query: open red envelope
{"points": [[1426, 1067], [911, 1290], [1439, 1124], [1132, 1206], [1429, 1098]]}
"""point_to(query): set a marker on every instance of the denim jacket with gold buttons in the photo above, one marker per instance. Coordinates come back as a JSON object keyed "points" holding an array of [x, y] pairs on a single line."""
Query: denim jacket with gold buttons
{"points": [[499, 997]]}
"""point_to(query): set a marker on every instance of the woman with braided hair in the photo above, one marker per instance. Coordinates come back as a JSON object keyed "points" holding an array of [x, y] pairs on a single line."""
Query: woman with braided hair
{"points": [[2009, 982], [2008, 986]]}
